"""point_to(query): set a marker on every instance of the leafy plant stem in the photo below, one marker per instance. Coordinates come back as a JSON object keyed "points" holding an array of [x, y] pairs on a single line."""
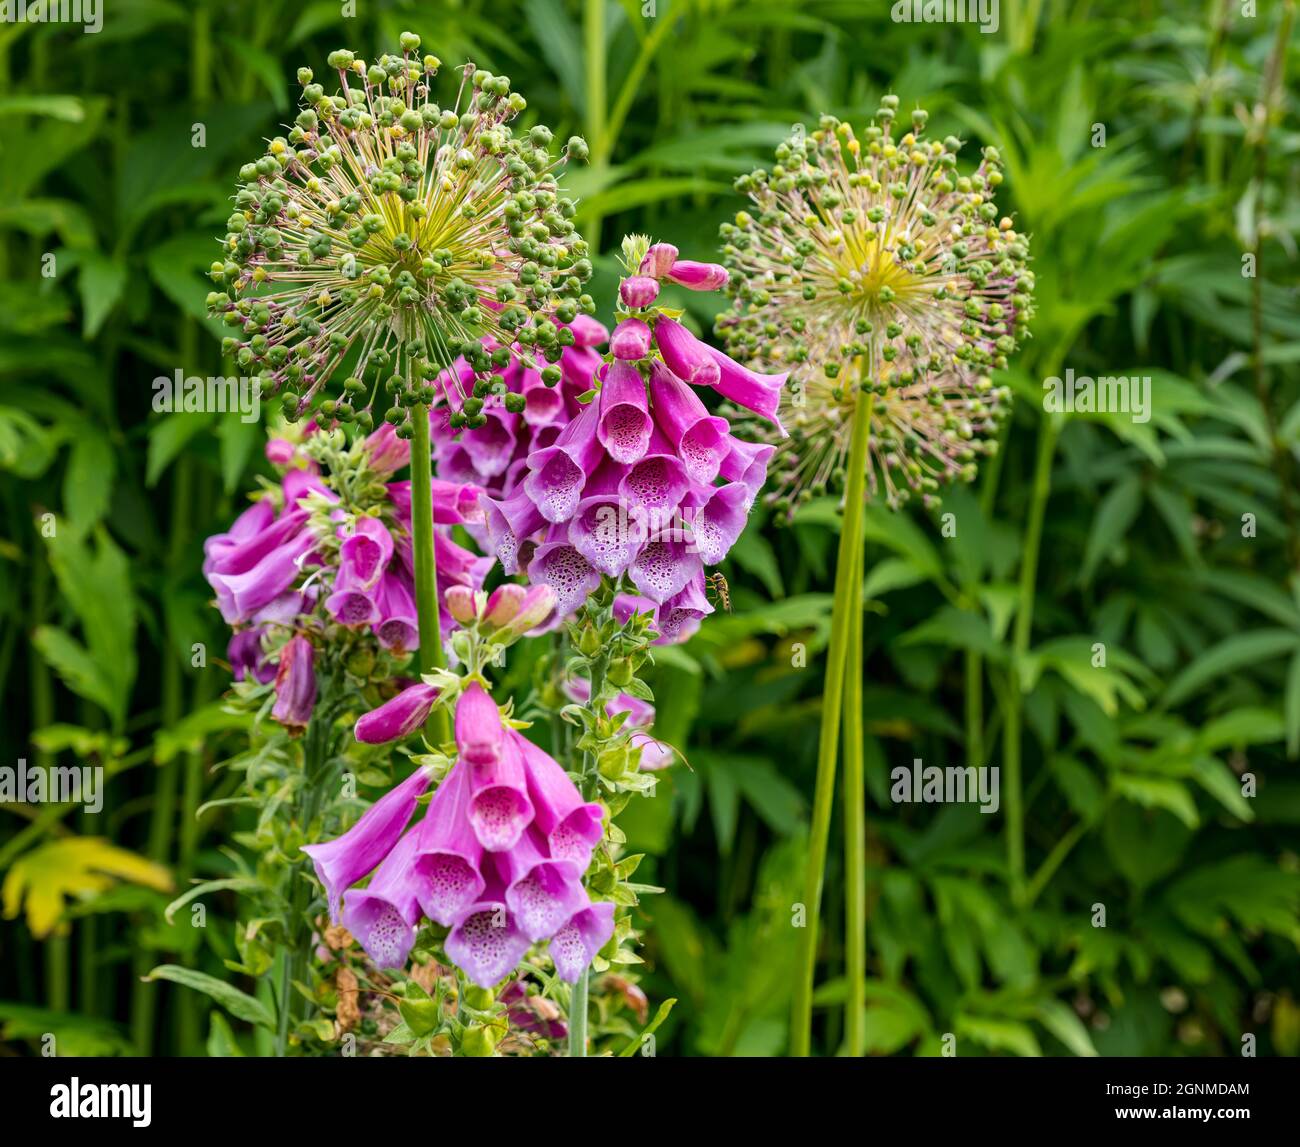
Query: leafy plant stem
{"points": [[828, 744]]}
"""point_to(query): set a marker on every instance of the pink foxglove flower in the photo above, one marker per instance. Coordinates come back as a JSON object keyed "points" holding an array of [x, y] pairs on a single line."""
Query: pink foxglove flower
{"points": [[498, 857], [617, 492], [340, 863], [295, 684]]}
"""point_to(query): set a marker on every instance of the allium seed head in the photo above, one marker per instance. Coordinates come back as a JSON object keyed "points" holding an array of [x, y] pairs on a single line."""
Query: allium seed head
{"points": [[873, 270], [398, 234]]}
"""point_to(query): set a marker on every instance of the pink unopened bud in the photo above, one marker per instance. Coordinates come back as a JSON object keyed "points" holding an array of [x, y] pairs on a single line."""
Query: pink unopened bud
{"points": [[699, 276], [460, 604], [588, 331], [478, 726], [630, 341], [279, 451], [659, 260], [504, 604], [537, 605], [638, 292]]}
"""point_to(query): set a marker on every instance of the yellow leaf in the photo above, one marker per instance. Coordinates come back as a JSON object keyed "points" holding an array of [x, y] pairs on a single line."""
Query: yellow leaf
{"points": [[77, 867]]}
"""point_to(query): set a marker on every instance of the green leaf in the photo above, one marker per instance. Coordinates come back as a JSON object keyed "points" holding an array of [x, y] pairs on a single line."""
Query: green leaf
{"points": [[1157, 792], [1291, 707], [88, 481], [239, 883], [660, 1015], [1114, 516], [221, 1039], [101, 282], [77, 669], [1233, 653], [239, 1004], [1065, 1025]]}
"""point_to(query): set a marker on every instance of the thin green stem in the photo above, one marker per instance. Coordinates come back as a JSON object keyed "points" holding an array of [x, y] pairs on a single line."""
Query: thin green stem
{"points": [[855, 829], [828, 744], [974, 709], [578, 1017], [426, 568], [593, 33], [578, 999], [1011, 740]]}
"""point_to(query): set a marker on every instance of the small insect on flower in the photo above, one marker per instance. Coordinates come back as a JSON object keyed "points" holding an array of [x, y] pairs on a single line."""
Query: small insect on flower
{"points": [[715, 586], [877, 273], [398, 235]]}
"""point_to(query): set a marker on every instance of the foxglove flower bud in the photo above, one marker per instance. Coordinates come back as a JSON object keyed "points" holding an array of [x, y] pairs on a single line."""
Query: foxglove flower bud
{"points": [[295, 684]]}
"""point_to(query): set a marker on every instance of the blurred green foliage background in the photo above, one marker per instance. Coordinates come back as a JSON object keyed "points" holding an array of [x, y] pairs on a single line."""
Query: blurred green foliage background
{"points": [[1161, 789]]}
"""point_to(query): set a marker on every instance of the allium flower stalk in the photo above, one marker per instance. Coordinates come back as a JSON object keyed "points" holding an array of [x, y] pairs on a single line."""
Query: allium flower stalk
{"points": [[886, 282], [388, 235], [880, 276]]}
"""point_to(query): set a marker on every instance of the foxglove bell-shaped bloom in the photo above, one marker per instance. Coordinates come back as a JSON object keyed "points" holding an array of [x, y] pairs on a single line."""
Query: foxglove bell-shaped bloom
{"points": [[486, 943], [700, 440], [542, 893], [638, 291], [559, 565], [572, 826], [450, 858], [295, 684], [625, 425], [499, 808], [398, 718], [684, 354], [663, 568], [558, 473], [247, 659], [340, 863], [719, 520], [383, 915], [575, 945], [760, 393], [658, 261]]}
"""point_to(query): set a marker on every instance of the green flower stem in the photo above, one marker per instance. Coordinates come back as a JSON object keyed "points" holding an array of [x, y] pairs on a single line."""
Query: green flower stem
{"points": [[317, 753], [593, 31], [855, 828], [974, 709], [578, 1017], [578, 1000], [426, 569], [1011, 741], [828, 745]]}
